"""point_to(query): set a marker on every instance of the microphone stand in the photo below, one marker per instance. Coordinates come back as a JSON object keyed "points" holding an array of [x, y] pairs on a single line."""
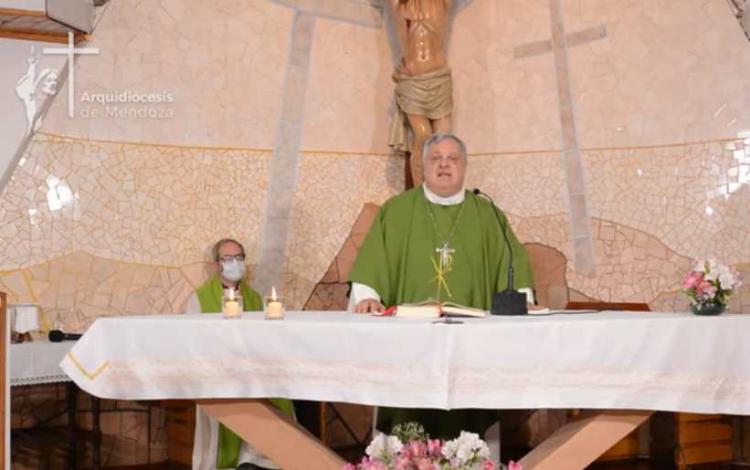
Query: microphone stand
{"points": [[508, 301]]}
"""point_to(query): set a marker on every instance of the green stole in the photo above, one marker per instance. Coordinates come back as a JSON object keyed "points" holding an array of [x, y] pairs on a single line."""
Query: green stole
{"points": [[209, 296], [396, 259]]}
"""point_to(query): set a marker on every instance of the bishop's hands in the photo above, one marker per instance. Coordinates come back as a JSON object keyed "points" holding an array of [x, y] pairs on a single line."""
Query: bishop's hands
{"points": [[368, 306]]}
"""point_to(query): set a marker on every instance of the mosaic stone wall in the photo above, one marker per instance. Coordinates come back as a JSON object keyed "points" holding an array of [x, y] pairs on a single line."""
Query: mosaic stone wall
{"points": [[95, 228], [99, 228], [654, 209], [322, 217], [156, 205]]}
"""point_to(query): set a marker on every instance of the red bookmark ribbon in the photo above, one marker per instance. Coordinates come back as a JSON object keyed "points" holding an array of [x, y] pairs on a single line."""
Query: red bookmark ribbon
{"points": [[389, 311]]}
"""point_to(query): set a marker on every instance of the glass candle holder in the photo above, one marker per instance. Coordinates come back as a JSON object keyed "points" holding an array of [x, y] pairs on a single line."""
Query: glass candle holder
{"points": [[231, 304], [274, 308]]}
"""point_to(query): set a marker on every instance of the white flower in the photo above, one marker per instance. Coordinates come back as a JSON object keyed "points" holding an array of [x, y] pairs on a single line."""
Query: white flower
{"points": [[700, 266], [464, 454], [449, 449], [715, 269], [727, 279], [383, 447], [467, 448]]}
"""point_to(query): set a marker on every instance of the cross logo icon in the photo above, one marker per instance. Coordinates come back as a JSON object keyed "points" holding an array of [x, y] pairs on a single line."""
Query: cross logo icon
{"points": [[71, 51]]}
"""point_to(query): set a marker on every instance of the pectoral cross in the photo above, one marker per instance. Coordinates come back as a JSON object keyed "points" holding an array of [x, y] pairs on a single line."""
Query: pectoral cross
{"points": [[442, 264], [445, 255]]}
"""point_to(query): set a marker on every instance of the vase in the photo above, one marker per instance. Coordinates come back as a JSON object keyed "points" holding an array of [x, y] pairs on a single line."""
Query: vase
{"points": [[708, 308]]}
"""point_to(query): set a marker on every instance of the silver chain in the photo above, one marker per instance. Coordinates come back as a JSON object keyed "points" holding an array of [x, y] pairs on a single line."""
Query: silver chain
{"points": [[435, 224]]}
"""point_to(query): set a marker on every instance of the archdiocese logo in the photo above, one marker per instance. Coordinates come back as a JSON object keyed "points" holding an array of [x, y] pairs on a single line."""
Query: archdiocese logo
{"points": [[28, 85]]}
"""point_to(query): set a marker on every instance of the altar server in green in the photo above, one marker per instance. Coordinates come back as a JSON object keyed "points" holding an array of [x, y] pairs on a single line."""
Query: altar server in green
{"points": [[440, 242], [217, 447]]}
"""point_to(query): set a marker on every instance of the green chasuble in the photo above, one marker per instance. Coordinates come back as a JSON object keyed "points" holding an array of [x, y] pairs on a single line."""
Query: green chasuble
{"points": [[209, 296], [399, 260]]}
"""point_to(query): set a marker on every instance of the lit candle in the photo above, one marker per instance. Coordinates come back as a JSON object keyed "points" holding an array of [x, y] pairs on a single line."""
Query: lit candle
{"points": [[232, 305], [274, 309]]}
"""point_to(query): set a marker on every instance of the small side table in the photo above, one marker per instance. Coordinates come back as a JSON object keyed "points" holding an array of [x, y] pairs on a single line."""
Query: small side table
{"points": [[38, 362]]}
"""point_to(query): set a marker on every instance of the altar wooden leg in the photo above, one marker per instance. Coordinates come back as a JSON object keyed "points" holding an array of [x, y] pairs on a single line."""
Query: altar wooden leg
{"points": [[285, 442], [578, 443]]}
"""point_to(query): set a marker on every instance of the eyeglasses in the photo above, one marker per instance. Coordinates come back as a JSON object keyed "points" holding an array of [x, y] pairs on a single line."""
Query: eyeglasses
{"points": [[239, 257], [436, 158]]}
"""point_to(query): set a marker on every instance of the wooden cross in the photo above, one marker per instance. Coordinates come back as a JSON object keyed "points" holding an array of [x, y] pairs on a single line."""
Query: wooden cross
{"points": [[580, 230]]}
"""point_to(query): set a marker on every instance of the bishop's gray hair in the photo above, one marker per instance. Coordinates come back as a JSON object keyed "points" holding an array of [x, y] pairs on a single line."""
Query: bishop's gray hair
{"points": [[439, 137], [217, 246]]}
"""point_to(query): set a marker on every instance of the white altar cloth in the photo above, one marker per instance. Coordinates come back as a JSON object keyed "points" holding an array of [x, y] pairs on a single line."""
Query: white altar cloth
{"points": [[608, 360], [37, 362]]}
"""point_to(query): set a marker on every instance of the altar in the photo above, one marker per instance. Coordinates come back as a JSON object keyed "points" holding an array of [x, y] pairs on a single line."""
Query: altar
{"points": [[619, 361]]}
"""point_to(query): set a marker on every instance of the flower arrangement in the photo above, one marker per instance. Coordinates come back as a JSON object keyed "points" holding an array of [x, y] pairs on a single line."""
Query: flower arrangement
{"points": [[410, 448], [709, 285]]}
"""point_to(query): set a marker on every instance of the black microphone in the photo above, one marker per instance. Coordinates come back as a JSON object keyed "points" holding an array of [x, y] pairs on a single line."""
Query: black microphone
{"points": [[509, 301], [56, 336]]}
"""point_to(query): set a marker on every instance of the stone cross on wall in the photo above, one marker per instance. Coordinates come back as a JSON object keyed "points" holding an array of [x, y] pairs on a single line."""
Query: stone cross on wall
{"points": [[285, 163], [580, 228]]}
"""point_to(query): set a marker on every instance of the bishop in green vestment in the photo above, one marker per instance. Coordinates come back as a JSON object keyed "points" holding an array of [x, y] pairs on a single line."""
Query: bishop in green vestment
{"points": [[230, 256], [441, 242]]}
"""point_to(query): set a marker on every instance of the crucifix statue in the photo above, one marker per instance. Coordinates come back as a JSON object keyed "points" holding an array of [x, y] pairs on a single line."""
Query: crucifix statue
{"points": [[424, 89]]}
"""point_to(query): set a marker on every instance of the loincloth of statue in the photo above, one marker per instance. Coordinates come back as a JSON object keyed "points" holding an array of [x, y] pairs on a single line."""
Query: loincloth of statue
{"points": [[429, 94]]}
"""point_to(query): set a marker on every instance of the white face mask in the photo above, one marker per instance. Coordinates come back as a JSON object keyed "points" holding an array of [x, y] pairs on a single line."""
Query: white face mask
{"points": [[232, 270]]}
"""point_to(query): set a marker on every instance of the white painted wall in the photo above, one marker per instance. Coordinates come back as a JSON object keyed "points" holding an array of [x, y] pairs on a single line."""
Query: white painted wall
{"points": [[37, 5], [14, 55]]}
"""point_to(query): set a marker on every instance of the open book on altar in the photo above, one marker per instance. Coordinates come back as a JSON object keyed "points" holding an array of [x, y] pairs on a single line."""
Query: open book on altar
{"points": [[433, 309]]}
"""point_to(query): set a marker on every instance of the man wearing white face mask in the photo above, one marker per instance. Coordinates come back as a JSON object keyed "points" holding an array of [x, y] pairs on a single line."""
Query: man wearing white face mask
{"points": [[215, 446], [229, 258]]}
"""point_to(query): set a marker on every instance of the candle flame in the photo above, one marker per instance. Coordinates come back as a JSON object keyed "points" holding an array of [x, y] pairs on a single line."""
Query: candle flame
{"points": [[231, 293], [273, 293]]}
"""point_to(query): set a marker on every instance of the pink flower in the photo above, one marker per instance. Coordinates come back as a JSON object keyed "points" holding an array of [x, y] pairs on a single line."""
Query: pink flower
{"points": [[417, 449], [705, 291], [426, 464], [403, 462], [348, 466], [488, 465], [692, 280], [375, 465], [514, 466], [710, 291], [368, 463], [434, 447]]}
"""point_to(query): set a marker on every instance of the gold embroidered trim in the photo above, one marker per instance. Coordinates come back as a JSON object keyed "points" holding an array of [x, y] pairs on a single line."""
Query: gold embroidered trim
{"points": [[90, 375]]}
